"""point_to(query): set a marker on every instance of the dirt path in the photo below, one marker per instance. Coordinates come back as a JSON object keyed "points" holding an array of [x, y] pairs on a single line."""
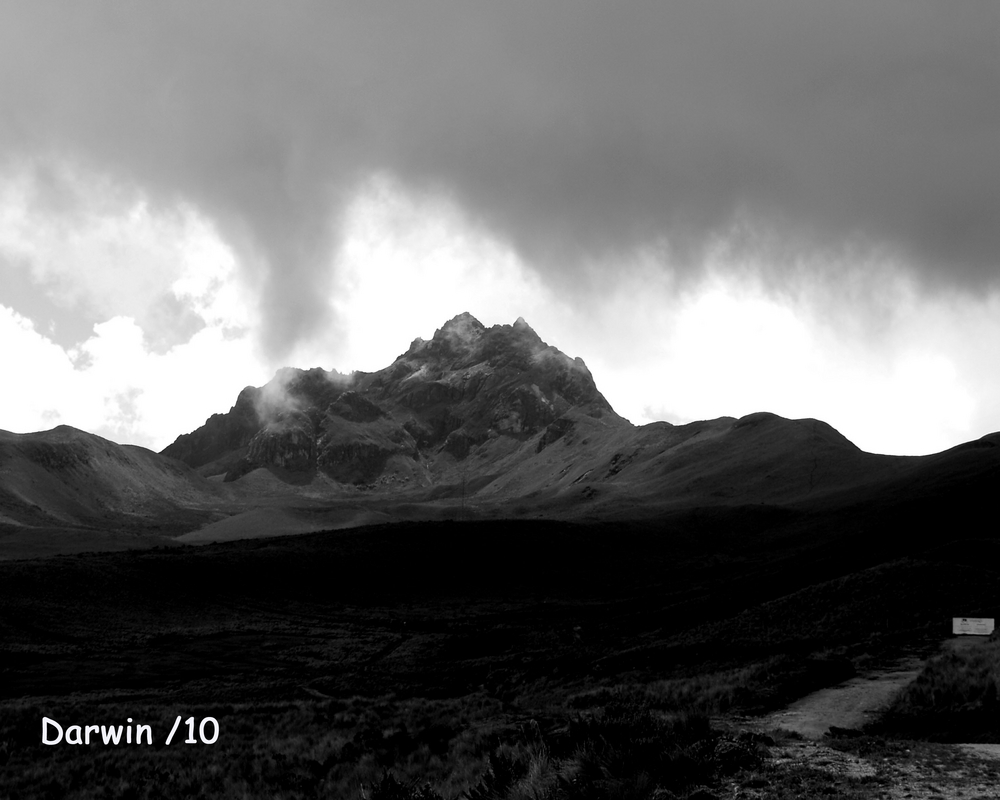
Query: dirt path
{"points": [[857, 701], [846, 705], [902, 771]]}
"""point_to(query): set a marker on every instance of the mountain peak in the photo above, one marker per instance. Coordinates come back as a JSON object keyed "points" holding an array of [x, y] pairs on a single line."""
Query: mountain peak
{"points": [[463, 321], [525, 333], [460, 333], [469, 387]]}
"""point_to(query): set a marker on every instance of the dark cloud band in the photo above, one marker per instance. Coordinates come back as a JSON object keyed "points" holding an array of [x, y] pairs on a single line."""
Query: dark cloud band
{"points": [[575, 130]]}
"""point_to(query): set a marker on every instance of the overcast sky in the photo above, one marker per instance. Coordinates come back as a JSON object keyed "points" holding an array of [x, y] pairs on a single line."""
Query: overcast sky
{"points": [[722, 207]]}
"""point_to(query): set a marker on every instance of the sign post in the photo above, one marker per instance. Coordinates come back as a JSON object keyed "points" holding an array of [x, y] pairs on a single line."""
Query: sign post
{"points": [[972, 626]]}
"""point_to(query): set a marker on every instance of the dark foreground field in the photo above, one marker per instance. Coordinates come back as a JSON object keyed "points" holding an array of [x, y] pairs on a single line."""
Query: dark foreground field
{"points": [[567, 660]]}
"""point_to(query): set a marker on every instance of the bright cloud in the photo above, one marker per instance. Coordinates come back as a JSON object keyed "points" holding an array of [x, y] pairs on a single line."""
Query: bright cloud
{"points": [[730, 347], [95, 247], [122, 391], [144, 374], [408, 263]]}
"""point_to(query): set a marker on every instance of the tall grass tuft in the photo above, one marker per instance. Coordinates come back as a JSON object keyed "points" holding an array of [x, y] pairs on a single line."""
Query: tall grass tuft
{"points": [[955, 698], [627, 751], [389, 787]]}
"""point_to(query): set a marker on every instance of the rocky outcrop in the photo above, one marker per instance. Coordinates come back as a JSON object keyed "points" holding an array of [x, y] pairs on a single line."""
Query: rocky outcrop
{"points": [[289, 446], [221, 435], [554, 432], [468, 387]]}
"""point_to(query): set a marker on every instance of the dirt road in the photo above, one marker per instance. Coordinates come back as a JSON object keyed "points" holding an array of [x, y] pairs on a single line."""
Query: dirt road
{"points": [[908, 771], [846, 705], [857, 701]]}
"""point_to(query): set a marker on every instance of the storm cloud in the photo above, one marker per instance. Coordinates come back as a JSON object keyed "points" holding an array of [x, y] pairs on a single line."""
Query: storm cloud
{"points": [[575, 131]]}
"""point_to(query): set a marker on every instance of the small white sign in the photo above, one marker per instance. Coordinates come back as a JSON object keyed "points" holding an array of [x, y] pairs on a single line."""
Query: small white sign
{"points": [[974, 626]]}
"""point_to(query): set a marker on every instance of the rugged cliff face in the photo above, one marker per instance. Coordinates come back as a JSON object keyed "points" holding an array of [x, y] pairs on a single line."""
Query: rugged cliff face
{"points": [[468, 387]]}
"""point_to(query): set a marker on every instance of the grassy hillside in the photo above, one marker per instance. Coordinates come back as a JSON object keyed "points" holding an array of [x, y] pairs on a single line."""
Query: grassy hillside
{"points": [[954, 699]]}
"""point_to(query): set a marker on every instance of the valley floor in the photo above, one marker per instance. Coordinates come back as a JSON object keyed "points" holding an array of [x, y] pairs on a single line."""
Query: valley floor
{"points": [[429, 651]]}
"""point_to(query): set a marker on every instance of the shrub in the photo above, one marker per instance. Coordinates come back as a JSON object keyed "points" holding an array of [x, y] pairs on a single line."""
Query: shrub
{"points": [[626, 750]]}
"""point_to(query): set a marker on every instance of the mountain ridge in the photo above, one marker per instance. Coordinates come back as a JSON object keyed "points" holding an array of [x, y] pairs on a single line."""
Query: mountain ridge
{"points": [[480, 406], [68, 477], [474, 423], [465, 386]]}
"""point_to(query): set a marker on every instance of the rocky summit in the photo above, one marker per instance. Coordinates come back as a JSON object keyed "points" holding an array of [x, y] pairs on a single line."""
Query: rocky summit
{"points": [[493, 390]]}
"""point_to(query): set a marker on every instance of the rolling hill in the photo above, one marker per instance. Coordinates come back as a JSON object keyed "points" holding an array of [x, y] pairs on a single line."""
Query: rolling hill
{"points": [[64, 490]]}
